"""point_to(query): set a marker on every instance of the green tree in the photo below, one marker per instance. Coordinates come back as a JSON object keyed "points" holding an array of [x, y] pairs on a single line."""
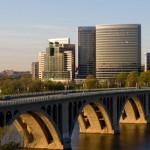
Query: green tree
{"points": [[7, 87], [49, 85], [144, 79], [90, 82], [59, 86], [36, 86], [132, 79], [121, 79], [25, 82]]}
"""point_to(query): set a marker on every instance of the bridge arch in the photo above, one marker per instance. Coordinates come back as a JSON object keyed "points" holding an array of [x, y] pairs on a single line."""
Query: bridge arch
{"points": [[1, 119], [49, 109], [8, 116], [132, 111], [34, 124], [92, 117]]}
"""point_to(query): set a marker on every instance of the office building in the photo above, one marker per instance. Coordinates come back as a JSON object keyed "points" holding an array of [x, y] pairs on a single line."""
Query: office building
{"points": [[118, 49], [147, 61], [41, 63], [86, 51], [59, 61], [35, 70]]}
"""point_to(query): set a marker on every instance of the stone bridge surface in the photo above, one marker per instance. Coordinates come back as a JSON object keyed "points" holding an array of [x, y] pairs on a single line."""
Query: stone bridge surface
{"points": [[48, 121]]}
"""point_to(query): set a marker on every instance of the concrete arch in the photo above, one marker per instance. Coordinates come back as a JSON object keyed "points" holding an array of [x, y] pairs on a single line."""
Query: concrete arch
{"points": [[93, 119], [132, 111], [88, 120], [27, 124], [109, 128]]}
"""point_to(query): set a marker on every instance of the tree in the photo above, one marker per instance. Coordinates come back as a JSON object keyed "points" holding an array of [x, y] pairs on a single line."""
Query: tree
{"points": [[90, 82], [132, 79], [121, 79], [25, 82], [144, 79], [36, 86], [7, 87], [59, 86], [49, 85]]}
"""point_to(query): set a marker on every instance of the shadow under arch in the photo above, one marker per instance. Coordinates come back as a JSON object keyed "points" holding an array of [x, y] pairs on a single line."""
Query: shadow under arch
{"points": [[93, 118], [37, 130], [132, 111]]}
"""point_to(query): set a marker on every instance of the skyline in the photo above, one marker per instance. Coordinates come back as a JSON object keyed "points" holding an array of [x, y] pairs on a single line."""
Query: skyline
{"points": [[26, 26]]}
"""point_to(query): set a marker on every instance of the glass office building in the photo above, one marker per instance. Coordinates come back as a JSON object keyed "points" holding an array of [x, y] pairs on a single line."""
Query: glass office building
{"points": [[147, 61], [118, 49], [86, 51], [59, 62]]}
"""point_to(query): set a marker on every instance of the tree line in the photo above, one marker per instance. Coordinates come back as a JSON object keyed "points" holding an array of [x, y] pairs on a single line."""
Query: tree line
{"points": [[24, 84], [133, 79]]}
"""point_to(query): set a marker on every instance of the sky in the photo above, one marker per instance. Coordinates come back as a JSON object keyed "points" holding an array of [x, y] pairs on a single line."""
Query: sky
{"points": [[25, 25]]}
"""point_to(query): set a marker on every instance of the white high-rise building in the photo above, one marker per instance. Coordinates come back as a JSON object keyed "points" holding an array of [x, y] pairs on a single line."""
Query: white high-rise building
{"points": [[41, 63]]}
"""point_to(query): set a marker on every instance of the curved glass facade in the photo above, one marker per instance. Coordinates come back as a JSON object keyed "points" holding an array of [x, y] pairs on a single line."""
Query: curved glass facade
{"points": [[118, 49]]}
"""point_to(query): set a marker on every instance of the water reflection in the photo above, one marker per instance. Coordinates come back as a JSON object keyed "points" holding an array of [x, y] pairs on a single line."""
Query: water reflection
{"points": [[131, 137]]}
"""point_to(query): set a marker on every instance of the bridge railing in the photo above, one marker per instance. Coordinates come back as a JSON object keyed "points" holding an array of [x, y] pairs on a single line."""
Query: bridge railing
{"points": [[33, 94], [28, 100]]}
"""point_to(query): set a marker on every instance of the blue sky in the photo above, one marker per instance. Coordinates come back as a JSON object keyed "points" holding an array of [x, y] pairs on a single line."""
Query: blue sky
{"points": [[25, 25]]}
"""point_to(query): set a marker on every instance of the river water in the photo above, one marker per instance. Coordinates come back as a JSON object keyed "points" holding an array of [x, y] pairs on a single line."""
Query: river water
{"points": [[131, 137]]}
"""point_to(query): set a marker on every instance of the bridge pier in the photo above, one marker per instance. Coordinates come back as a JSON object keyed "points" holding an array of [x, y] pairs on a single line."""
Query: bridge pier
{"points": [[66, 138], [148, 119], [67, 145], [147, 109], [115, 122]]}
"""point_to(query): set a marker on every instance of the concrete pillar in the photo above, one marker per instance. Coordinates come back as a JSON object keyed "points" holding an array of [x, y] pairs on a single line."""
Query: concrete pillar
{"points": [[115, 122], [147, 116], [66, 138]]}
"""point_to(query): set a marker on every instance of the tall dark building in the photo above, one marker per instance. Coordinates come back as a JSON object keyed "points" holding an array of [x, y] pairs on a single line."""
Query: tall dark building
{"points": [[35, 70], [147, 61], [86, 51], [118, 49]]}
